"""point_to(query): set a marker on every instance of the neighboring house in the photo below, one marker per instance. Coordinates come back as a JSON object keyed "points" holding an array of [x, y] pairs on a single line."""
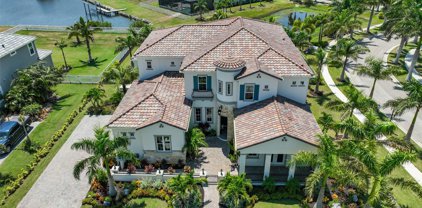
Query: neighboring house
{"points": [[18, 52], [245, 78]]}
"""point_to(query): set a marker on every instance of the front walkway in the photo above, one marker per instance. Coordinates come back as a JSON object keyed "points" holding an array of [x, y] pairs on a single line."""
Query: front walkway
{"points": [[56, 187]]}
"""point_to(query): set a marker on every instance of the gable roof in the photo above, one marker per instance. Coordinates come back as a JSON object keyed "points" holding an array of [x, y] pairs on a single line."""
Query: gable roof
{"points": [[254, 66], [201, 45], [159, 99], [273, 118], [12, 42]]}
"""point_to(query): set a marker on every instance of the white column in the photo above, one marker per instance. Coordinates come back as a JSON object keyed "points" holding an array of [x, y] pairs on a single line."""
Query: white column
{"points": [[292, 170], [267, 166], [242, 164]]}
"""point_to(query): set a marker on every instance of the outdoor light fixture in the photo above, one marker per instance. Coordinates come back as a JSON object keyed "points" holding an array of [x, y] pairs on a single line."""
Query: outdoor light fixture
{"points": [[203, 171], [220, 109]]}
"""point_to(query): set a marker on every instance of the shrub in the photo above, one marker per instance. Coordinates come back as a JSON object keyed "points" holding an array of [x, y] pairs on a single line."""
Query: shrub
{"points": [[32, 110], [381, 15], [269, 184], [293, 186]]}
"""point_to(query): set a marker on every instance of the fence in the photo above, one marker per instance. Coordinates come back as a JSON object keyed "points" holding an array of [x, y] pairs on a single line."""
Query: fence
{"points": [[61, 28]]}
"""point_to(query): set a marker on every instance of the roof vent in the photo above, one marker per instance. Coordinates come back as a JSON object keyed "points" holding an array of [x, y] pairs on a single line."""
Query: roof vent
{"points": [[230, 62]]}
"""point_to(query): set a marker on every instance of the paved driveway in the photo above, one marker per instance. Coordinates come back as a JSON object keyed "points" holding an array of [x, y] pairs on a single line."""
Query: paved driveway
{"points": [[56, 186], [385, 89]]}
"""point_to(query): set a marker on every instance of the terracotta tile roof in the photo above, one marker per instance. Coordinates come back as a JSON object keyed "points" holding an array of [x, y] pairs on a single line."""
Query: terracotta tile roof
{"points": [[229, 62], [253, 66], [273, 118], [161, 98], [203, 44]]}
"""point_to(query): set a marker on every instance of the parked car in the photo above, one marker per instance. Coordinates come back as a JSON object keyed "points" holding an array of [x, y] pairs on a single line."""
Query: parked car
{"points": [[11, 132]]}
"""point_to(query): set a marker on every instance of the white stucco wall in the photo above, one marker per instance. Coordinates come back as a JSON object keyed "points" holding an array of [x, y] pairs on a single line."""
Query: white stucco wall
{"points": [[277, 146], [264, 80], [227, 77], [189, 82], [297, 93], [159, 65], [204, 104]]}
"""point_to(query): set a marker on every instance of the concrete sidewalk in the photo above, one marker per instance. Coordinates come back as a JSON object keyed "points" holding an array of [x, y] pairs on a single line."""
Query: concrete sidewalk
{"points": [[407, 61], [56, 187]]}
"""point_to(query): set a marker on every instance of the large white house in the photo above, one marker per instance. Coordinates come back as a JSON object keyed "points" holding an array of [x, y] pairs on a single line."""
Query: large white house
{"points": [[243, 77]]}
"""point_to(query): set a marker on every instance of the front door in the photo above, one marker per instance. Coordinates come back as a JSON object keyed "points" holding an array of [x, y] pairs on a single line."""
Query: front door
{"points": [[223, 127]]}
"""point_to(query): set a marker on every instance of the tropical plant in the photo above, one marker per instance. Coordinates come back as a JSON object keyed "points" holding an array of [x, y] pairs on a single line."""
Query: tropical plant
{"points": [[373, 128], [375, 69], [412, 101], [234, 191], [326, 164], [121, 75], [306, 26], [32, 110], [299, 38], [186, 190], [195, 139], [372, 4], [32, 85], [95, 96], [103, 149], [326, 121], [129, 42], [219, 14], [355, 101], [201, 6], [74, 32], [321, 60], [61, 45], [350, 126], [346, 49], [342, 23], [86, 31]]}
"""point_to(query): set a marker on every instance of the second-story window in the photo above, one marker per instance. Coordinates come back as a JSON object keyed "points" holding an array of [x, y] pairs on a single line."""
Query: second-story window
{"points": [[249, 91], [229, 88], [149, 64], [220, 86], [202, 83], [31, 48]]}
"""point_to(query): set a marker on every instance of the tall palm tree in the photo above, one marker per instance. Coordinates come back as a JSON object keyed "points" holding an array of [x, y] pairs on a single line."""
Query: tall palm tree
{"points": [[326, 121], [326, 165], [306, 26], [186, 190], [350, 126], [95, 96], [234, 190], [121, 75], [320, 21], [378, 171], [102, 150], [87, 32], [61, 45], [373, 128], [347, 49], [321, 59], [74, 32], [341, 24], [129, 42], [355, 101], [201, 6], [195, 139], [375, 69], [412, 101], [372, 4]]}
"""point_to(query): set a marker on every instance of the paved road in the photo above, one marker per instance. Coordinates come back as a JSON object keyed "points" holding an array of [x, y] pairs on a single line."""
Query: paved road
{"points": [[56, 186], [385, 89]]}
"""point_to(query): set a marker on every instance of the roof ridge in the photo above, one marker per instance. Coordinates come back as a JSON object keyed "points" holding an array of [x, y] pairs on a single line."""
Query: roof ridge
{"points": [[279, 53], [165, 36]]}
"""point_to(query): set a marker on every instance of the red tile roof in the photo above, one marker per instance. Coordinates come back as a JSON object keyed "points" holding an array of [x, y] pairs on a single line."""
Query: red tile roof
{"points": [[273, 118], [159, 99], [203, 44]]}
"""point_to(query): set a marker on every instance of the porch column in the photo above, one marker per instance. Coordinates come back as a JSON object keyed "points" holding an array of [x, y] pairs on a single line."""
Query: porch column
{"points": [[292, 169], [242, 164], [267, 166]]}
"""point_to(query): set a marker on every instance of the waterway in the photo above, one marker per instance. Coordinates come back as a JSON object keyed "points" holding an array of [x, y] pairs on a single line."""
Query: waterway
{"points": [[51, 12]]}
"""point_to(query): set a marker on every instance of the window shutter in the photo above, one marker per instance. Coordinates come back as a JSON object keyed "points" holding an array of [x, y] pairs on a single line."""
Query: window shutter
{"points": [[195, 83], [256, 92], [209, 83], [242, 92]]}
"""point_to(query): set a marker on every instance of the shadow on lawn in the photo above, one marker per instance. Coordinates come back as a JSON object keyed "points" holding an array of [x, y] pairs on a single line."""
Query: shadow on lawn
{"points": [[95, 63], [58, 105]]}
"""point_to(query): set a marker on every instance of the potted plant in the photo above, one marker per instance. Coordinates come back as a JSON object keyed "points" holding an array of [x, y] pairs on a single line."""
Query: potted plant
{"points": [[131, 169], [187, 169], [171, 170], [107, 201], [149, 168]]}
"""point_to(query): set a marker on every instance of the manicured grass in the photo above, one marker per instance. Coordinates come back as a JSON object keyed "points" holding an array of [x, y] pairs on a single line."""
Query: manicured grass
{"points": [[102, 50], [405, 51], [147, 203], [285, 203], [71, 95]]}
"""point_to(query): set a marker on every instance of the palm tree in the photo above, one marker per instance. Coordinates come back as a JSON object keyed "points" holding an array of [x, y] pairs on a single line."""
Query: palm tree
{"points": [[350, 126], [103, 149], [186, 190], [195, 139], [61, 45], [378, 171], [87, 32], [412, 101], [326, 164], [372, 4], [306, 26], [347, 49], [341, 24], [74, 32], [240, 5], [129, 42], [321, 59], [121, 75], [373, 128], [326, 121], [95, 96], [374, 68], [320, 21], [201, 6], [355, 101], [300, 38], [234, 190]]}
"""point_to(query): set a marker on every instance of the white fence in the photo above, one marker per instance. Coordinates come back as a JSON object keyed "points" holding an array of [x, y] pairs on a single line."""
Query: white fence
{"points": [[61, 28]]}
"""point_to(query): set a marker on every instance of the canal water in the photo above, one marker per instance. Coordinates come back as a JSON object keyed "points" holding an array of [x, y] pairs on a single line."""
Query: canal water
{"points": [[51, 12], [286, 18]]}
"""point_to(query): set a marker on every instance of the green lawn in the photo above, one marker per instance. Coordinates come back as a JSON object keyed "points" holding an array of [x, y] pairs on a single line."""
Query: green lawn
{"points": [[71, 95], [406, 49], [285, 203], [147, 203], [102, 49]]}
